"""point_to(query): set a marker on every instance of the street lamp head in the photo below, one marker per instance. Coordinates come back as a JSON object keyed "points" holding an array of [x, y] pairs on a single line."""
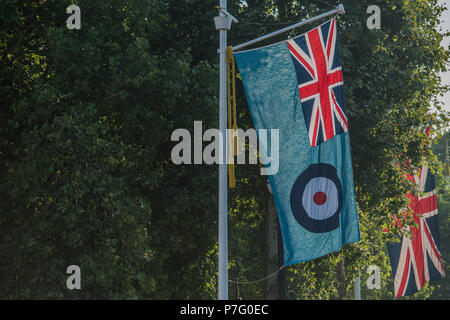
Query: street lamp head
{"points": [[222, 22]]}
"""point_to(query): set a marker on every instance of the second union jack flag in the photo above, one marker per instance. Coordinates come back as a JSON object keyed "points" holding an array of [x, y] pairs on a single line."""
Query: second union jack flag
{"points": [[417, 258], [317, 63]]}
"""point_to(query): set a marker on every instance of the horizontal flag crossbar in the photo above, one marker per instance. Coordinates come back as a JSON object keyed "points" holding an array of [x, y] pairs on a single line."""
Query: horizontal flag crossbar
{"points": [[339, 10]]}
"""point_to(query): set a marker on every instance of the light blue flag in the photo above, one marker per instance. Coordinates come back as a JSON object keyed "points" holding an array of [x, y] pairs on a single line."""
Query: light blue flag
{"points": [[296, 87]]}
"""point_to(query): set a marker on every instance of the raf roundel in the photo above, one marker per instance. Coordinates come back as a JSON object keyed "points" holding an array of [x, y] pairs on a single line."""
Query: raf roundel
{"points": [[316, 198]]}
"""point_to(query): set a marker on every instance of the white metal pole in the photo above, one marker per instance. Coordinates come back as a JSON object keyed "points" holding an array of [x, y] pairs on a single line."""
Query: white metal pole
{"points": [[223, 223], [357, 288], [339, 9]]}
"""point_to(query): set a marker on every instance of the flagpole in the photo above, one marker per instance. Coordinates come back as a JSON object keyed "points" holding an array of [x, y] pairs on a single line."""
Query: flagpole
{"points": [[339, 9], [223, 23]]}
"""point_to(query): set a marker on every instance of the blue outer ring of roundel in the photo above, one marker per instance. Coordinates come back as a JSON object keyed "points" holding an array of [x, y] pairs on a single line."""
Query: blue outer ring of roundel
{"points": [[299, 212]]}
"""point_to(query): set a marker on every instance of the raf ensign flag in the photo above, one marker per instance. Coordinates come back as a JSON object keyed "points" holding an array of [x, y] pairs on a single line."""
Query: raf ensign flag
{"points": [[296, 86]]}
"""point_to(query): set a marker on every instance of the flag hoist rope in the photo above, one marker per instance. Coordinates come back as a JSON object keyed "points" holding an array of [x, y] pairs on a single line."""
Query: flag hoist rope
{"points": [[231, 101], [259, 280]]}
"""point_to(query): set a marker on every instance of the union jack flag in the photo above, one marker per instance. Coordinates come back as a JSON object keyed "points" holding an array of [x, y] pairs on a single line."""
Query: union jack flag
{"points": [[417, 258], [317, 63]]}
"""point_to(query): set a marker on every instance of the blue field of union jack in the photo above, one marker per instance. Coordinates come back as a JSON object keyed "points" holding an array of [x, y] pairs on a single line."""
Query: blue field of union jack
{"points": [[316, 59]]}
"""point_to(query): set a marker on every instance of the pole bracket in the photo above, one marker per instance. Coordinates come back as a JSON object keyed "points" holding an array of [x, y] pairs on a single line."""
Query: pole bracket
{"points": [[223, 22]]}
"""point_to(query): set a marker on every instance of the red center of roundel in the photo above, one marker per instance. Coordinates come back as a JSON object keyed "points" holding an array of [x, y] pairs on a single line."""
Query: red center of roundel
{"points": [[319, 198]]}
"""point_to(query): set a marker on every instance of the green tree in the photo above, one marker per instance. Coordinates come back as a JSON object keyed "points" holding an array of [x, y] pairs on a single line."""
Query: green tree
{"points": [[86, 174]]}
